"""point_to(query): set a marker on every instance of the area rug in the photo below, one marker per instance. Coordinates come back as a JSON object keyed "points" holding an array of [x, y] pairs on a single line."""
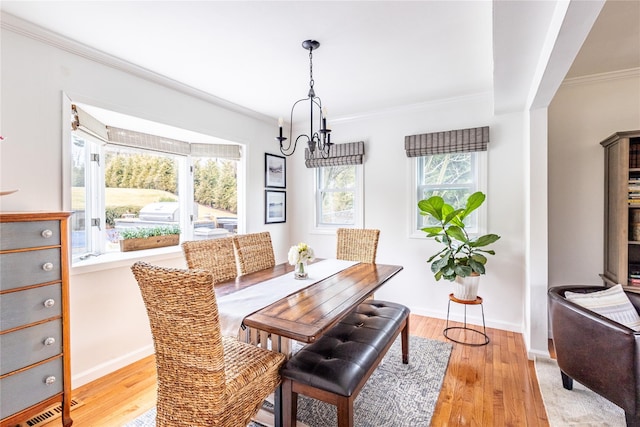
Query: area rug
{"points": [[395, 395], [578, 407]]}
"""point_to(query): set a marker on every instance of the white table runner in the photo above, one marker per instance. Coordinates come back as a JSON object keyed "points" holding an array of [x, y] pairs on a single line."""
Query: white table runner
{"points": [[233, 308]]}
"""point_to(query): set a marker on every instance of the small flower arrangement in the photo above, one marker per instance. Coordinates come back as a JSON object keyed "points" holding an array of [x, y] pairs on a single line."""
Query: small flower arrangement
{"points": [[298, 256], [300, 253]]}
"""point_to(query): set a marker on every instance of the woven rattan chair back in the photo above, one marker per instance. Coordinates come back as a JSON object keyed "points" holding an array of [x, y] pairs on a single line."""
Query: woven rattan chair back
{"points": [[216, 255], [357, 244], [204, 378], [255, 252]]}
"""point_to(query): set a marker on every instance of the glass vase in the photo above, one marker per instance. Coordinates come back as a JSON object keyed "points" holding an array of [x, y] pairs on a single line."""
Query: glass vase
{"points": [[300, 272]]}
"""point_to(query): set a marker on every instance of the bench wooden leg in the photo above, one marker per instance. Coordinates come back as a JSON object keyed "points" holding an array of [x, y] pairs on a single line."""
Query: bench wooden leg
{"points": [[289, 404], [345, 411], [405, 342]]}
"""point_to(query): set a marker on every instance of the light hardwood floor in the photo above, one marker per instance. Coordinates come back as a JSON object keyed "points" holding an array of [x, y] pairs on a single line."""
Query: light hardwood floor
{"points": [[492, 385]]}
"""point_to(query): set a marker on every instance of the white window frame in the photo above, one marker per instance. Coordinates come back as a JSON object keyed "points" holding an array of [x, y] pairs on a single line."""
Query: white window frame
{"points": [[185, 186], [95, 190], [358, 203], [480, 184]]}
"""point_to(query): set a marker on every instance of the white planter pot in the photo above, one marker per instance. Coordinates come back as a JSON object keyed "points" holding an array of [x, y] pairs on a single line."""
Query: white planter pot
{"points": [[466, 288]]}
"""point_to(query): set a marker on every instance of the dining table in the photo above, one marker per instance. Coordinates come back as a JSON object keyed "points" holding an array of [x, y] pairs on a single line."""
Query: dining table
{"points": [[272, 309]]}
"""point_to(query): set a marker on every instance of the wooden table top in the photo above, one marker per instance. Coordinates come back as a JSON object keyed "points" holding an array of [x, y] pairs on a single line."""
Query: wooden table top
{"points": [[305, 315]]}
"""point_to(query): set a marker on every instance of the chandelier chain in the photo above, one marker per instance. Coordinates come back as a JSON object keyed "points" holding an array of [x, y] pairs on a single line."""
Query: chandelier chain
{"points": [[311, 82]]}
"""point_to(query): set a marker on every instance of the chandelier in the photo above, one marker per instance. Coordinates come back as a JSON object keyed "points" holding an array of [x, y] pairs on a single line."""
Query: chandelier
{"points": [[319, 140]]}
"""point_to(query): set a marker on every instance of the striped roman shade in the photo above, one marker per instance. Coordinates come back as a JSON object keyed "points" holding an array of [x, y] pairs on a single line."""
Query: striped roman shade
{"points": [[130, 138], [85, 122], [351, 153], [453, 141], [147, 141]]}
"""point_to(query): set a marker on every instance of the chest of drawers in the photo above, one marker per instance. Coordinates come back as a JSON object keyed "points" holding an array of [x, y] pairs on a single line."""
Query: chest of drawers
{"points": [[34, 315]]}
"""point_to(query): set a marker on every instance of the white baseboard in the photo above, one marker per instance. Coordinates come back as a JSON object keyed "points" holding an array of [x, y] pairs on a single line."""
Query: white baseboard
{"points": [[472, 319], [532, 354], [109, 366]]}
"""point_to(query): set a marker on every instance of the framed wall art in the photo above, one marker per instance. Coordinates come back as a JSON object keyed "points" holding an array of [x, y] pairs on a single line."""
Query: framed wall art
{"points": [[275, 206], [275, 171]]}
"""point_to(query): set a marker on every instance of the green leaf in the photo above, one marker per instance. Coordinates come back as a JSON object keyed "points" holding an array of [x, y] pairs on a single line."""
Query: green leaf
{"points": [[432, 206], [479, 258], [457, 220], [446, 211], [485, 240], [473, 202], [433, 230], [457, 233], [463, 270], [490, 251], [439, 264], [477, 266], [452, 216]]}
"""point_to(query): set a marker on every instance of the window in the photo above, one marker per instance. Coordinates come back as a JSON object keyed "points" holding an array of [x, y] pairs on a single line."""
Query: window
{"points": [[450, 164], [338, 185], [338, 196], [453, 176], [124, 179]]}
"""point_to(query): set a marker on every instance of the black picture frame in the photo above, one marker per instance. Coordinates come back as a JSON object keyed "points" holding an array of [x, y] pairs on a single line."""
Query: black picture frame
{"points": [[275, 206], [275, 171]]}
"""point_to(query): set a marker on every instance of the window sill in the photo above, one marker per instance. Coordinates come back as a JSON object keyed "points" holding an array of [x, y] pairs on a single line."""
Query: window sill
{"points": [[124, 259], [324, 230]]}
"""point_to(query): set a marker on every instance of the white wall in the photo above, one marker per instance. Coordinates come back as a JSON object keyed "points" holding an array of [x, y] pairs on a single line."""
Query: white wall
{"points": [[109, 328], [108, 322], [583, 113], [389, 186]]}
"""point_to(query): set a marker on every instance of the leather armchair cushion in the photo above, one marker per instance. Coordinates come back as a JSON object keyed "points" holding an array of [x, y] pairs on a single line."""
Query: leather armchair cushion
{"points": [[611, 303]]}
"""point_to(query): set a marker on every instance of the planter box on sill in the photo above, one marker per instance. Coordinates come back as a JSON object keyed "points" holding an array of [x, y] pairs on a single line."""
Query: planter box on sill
{"points": [[149, 242]]}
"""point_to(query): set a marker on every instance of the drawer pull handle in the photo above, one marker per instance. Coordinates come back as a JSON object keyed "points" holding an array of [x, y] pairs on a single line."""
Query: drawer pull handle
{"points": [[49, 303], [50, 341], [50, 380], [47, 234], [47, 266]]}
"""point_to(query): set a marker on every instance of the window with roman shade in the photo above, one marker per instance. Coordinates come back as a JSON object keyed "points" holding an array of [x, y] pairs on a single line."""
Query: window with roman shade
{"points": [[338, 186], [117, 173], [452, 165]]}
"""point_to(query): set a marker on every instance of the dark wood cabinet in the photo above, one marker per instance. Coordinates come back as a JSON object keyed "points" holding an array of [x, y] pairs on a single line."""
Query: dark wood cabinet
{"points": [[622, 209]]}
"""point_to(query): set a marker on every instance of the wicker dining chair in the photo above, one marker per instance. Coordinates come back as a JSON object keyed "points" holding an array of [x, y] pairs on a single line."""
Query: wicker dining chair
{"points": [[357, 244], [255, 252], [216, 255], [204, 378]]}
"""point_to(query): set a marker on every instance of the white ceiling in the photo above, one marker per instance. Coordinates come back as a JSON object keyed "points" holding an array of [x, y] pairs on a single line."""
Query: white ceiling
{"points": [[373, 55]]}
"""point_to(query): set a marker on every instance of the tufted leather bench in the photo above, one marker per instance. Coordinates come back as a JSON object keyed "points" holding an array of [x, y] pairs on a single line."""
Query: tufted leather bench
{"points": [[335, 368]]}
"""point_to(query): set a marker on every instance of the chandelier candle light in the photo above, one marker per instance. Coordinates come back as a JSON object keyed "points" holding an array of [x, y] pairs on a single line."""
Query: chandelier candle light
{"points": [[320, 139], [298, 256]]}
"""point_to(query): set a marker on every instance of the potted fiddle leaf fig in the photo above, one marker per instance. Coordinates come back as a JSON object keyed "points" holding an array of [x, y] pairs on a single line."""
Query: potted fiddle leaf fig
{"points": [[462, 258]]}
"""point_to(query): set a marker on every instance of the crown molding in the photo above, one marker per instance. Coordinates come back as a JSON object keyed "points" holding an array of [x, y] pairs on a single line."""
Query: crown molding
{"points": [[602, 77], [27, 29]]}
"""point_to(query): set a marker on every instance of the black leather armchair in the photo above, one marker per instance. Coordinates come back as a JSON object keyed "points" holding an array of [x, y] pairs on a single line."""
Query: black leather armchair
{"points": [[599, 353]]}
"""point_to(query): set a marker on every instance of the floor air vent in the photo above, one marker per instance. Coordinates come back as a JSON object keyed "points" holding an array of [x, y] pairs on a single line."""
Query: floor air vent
{"points": [[49, 414]]}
